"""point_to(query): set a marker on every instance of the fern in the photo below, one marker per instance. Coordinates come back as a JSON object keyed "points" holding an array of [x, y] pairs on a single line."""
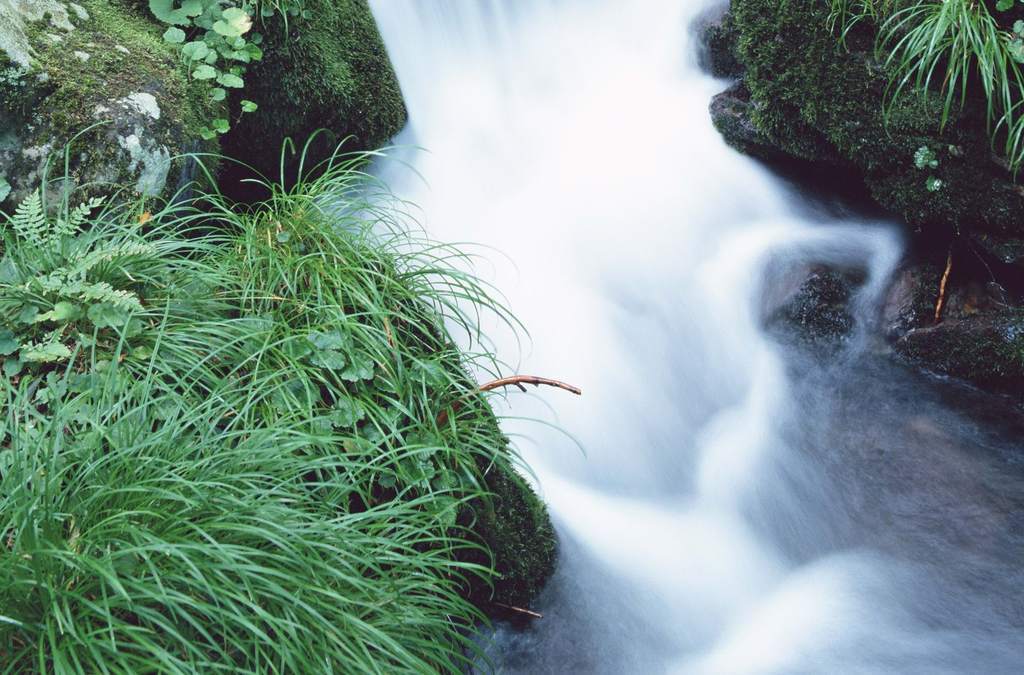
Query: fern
{"points": [[64, 270], [29, 220]]}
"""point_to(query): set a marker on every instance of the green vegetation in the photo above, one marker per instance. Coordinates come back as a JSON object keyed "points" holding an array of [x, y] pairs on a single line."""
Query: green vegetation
{"points": [[817, 102], [330, 72], [956, 47], [243, 440]]}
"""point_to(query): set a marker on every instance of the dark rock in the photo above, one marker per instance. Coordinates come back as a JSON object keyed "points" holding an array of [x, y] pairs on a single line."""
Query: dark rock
{"points": [[330, 73], [817, 313], [986, 349], [731, 115]]}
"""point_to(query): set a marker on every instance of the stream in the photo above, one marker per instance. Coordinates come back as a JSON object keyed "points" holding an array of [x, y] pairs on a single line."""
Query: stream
{"points": [[726, 503]]}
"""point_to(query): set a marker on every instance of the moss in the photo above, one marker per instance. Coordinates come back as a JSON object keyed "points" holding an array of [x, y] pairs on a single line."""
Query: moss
{"points": [[514, 525], [986, 350], [76, 80], [820, 102], [329, 71]]}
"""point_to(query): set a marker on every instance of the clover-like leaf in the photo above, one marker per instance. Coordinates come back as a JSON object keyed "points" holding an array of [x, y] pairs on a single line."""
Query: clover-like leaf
{"points": [[231, 80], [106, 315], [174, 35], [8, 343], [234, 22], [361, 368], [330, 359], [166, 11], [347, 412], [204, 72], [197, 50]]}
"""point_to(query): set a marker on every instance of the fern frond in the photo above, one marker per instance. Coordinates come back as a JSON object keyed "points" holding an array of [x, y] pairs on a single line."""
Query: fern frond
{"points": [[77, 217], [82, 263], [29, 220], [104, 292]]}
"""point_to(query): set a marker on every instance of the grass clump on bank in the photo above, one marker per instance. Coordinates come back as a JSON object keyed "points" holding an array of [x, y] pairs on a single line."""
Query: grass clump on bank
{"points": [[238, 441], [961, 48]]}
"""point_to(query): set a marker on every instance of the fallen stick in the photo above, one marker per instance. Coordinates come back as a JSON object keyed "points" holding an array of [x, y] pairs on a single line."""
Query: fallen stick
{"points": [[520, 610], [513, 381], [520, 380], [942, 286]]}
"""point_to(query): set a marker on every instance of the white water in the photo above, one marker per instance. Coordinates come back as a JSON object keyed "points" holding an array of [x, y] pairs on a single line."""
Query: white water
{"points": [[573, 137]]}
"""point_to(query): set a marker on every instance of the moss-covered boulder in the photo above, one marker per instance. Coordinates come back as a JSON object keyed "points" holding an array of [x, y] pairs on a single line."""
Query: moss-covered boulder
{"points": [[821, 101], [809, 99], [515, 526], [328, 71], [97, 73]]}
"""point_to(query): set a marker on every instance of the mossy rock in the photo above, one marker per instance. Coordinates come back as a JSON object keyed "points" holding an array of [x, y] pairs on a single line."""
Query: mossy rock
{"points": [[96, 74], [815, 99], [329, 71], [514, 525], [987, 350]]}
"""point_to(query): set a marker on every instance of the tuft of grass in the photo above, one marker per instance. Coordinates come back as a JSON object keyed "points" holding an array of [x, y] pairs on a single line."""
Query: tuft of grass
{"points": [[250, 472], [956, 47]]}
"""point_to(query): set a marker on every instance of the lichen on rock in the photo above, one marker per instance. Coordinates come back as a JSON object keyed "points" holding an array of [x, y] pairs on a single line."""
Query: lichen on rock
{"points": [[96, 75]]}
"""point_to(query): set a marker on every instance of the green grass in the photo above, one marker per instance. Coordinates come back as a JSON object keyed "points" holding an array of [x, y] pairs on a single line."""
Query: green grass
{"points": [[956, 47], [252, 472]]}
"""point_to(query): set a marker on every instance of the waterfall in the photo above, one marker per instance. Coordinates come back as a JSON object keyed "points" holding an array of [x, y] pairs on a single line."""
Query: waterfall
{"points": [[572, 139]]}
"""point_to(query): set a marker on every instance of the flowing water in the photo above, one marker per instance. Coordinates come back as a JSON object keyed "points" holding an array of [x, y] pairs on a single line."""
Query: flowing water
{"points": [[740, 508]]}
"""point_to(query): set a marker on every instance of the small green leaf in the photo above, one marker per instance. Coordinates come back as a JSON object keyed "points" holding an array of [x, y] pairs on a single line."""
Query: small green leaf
{"points": [[249, 106], [5, 188], [12, 367], [62, 312], [221, 125], [28, 314], [46, 353], [361, 368], [105, 315], [933, 184], [1004, 5], [218, 94], [347, 412], [234, 22], [231, 80], [195, 51], [329, 359], [332, 340], [207, 134], [204, 72], [8, 343], [283, 237], [174, 35]]}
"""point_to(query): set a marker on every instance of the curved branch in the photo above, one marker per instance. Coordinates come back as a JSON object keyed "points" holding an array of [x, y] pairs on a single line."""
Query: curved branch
{"points": [[520, 380]]}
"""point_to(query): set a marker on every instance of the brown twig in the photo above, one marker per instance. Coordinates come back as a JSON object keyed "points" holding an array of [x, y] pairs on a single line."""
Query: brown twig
{"points": [[513, 381], [520, 610], [520, 380], [942, 286]]}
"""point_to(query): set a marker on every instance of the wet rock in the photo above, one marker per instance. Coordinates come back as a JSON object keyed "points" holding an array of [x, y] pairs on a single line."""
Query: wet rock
{"points": [[731, 115], [818, 311], [986, 349]]}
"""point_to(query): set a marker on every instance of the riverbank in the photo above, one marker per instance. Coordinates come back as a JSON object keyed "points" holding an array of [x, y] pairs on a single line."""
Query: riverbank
{"points": [[804, 99]]}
